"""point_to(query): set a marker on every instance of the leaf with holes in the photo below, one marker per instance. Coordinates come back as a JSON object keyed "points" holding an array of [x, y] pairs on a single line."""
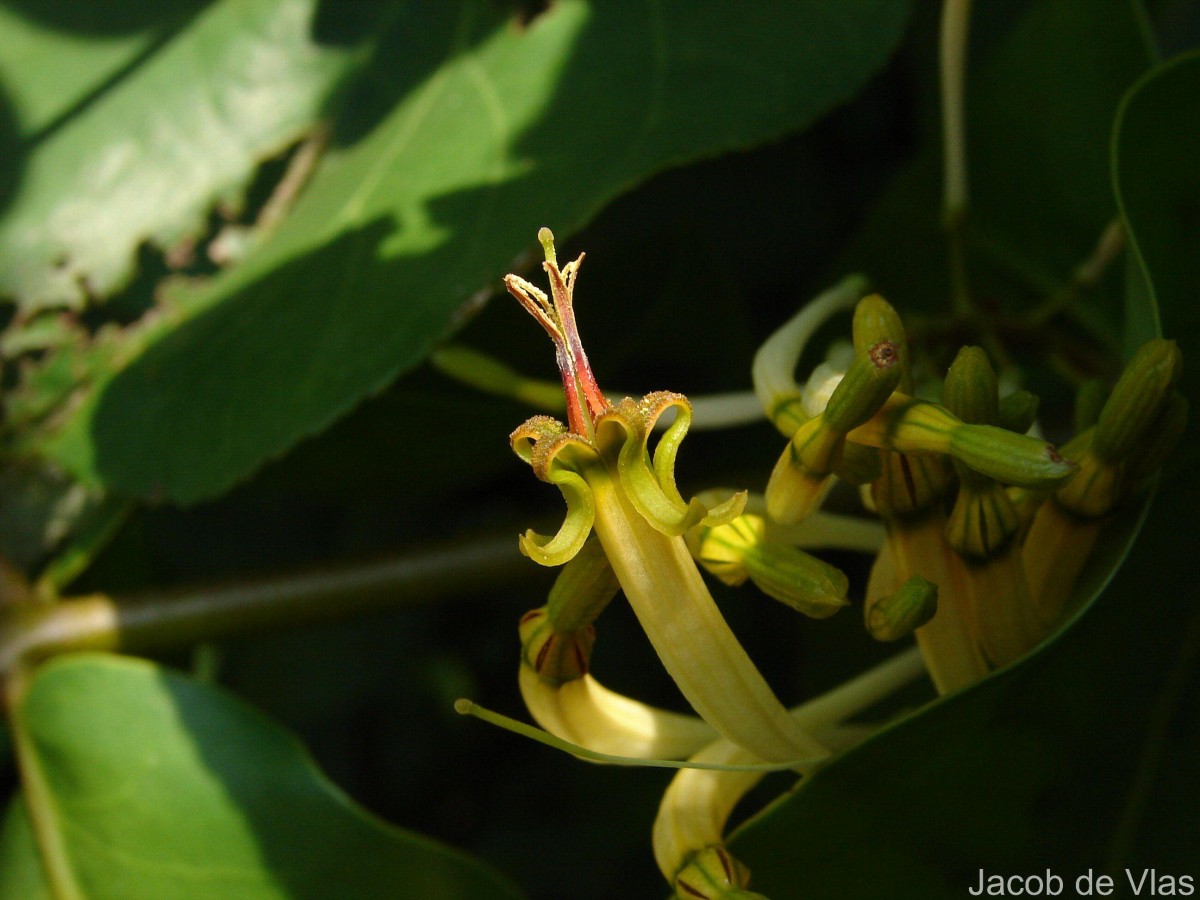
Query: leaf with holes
{"points": [[466, 141]]}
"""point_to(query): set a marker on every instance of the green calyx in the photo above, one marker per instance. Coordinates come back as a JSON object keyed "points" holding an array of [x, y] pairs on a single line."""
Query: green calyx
{"points": [[909, 487], [556, 656], [984, 521], [714, 874], [898, 615]]}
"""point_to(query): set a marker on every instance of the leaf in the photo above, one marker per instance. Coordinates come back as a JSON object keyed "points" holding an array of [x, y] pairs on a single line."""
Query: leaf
{"points": [[489, 132], [21, 876], [165, 122], [148, 779], [1079, 758]]}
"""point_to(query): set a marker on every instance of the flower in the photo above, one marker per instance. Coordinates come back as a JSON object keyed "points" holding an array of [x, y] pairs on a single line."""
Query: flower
{"points": [[615, 486]]}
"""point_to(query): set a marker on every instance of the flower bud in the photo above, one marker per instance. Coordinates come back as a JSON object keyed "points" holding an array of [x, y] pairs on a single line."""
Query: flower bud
{"points": [[876, 320], [1011, 458], [971, 391], [1017, 411], [742, 549], [900, 614], [722, 549], [1137, 399], [793, 491], [867, 384], [797, 579]]}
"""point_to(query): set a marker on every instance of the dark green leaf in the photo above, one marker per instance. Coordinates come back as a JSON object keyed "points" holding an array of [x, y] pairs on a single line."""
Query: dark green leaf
{"points": [[158, 787], [1082, 756], [493, 131]]}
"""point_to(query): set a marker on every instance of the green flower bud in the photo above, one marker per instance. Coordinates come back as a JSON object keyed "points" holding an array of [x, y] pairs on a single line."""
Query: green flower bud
{"points": [[584, 586], [741, 550], [1011, 458], [984, 521], [900, 614], [876, 320], [1137, 400], [870, 380], [797, 579], [915, 426], [713, 874], [556, 656], [1017, 411], [971, 391]]}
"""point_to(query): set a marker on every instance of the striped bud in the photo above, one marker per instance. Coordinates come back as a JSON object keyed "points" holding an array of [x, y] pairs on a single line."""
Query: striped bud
{"points": [[797, 579], [1138, 398], [909, 486], [713, 874], [984, 521], [898, 615], [971, 390], [867, 384], [556, 656]]}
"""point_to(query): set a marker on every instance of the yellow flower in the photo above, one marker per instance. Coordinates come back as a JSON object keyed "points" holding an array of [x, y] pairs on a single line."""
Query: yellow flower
{"points": [[613, 484]]}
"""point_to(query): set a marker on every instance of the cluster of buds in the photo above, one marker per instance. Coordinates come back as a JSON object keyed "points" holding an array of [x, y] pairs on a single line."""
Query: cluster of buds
{"points": [[984, 530]]}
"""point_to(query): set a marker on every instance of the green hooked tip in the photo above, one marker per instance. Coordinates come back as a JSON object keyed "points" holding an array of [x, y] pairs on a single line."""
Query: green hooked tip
{"points": [[900, 614]]}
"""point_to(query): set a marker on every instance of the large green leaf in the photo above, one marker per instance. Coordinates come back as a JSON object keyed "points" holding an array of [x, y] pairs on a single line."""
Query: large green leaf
{"points": [[21, 875], [1082, 756], [155, 786], [133, 138], [490, 130]]}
